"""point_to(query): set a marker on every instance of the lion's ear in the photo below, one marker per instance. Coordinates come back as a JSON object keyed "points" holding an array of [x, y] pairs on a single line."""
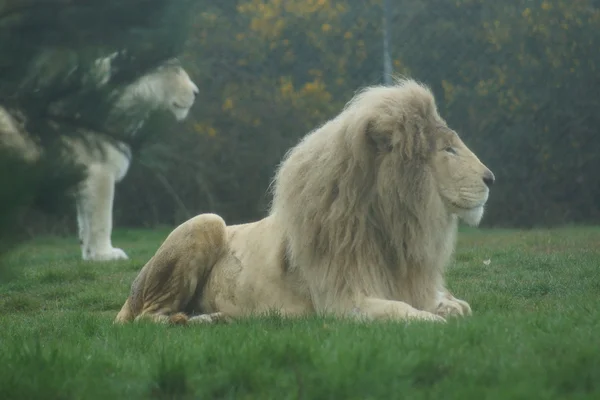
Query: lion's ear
{"points": [[380, 139]]}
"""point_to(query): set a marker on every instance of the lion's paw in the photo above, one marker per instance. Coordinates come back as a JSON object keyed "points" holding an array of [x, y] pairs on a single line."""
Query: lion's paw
{"points": [[112, 254], [453, 308], [209, 318], [178, 319]]}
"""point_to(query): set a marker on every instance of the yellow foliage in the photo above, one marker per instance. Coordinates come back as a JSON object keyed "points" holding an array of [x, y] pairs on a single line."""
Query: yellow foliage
{"points": [[269, 16], [448, 91], [205, 129], [209, 16], [482, 88], [286, 87], [227, 104], [316, 89], [289, 56]]}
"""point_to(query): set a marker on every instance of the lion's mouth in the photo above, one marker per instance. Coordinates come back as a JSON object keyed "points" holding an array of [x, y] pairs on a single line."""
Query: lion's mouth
{"points": [[177, 105], [467, 208]]}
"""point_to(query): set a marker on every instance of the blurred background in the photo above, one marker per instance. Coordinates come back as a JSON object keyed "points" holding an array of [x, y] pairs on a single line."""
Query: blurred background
{"points": [[518, 79]]}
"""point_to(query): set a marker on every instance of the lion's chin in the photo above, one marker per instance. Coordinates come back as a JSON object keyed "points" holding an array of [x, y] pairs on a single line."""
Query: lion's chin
{"points": [[180, 113], [471, 216]]}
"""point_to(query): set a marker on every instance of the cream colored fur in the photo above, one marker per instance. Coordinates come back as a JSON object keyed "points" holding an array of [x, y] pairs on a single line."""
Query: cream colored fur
{"points": [[362, 225], [106, 162]]}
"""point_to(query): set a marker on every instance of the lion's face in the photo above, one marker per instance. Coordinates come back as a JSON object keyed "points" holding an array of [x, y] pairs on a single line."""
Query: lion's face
{"points": [[168, 88], [180, 92], [463, 181]]}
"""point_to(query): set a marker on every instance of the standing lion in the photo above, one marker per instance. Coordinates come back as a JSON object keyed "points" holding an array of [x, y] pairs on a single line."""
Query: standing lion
{"points": [[106, 161], [363, 224]]}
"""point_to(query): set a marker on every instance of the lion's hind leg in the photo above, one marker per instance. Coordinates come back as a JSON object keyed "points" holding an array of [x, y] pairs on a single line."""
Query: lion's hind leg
{"points": [[173, 279]]}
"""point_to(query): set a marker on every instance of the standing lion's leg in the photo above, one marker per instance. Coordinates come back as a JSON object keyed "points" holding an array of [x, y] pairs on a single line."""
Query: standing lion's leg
{"points": [[96, 204], [374, 308], [83, 228], [174, 277]]}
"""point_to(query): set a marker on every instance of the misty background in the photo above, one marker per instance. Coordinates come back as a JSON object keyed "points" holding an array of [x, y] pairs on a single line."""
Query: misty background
{"points": [[518, 80]]}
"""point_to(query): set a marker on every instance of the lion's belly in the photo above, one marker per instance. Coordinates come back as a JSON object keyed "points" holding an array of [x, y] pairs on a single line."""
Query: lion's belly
{"points": [[251, 278]]}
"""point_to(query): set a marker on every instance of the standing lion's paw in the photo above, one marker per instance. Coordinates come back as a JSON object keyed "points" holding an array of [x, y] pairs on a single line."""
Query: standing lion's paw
{"points": [[111, 254]]}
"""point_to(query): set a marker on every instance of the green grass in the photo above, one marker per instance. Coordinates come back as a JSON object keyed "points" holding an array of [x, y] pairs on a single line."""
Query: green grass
{"points": [[534, 333]]}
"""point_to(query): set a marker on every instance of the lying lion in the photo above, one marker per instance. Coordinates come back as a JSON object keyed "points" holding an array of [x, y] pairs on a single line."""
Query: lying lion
{"points": [[363, 223]]}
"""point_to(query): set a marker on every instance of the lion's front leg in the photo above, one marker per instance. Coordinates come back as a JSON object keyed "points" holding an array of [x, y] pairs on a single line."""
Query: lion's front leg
{"points": [[375, 308], [83, 228], [448, 305]]}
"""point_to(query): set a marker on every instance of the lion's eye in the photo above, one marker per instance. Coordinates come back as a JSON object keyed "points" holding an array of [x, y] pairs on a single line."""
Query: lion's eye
{"points": [[450, 150]]}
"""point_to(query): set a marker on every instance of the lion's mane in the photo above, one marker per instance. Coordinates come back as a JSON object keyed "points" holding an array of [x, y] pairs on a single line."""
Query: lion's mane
{"points": [[358, 205]]}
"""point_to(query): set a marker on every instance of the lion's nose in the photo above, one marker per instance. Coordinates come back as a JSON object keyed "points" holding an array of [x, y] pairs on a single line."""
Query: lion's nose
{"points": [[488, 178]]}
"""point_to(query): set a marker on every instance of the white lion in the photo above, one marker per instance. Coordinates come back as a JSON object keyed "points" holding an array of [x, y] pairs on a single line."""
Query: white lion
{"points": [[363, 224], [167, 87]]}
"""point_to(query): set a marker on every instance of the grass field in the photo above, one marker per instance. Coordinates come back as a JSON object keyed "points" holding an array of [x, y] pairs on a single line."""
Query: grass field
{"points": [[535, 333]]}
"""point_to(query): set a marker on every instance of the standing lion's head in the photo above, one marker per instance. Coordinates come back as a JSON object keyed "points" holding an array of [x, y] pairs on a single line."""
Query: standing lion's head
{"points": [[168, 88]]}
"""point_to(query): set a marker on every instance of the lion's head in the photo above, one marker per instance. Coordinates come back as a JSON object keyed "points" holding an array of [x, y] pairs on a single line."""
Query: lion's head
{"points": [[168, 87], [179, 90], [462, 180], [409, 136]]}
